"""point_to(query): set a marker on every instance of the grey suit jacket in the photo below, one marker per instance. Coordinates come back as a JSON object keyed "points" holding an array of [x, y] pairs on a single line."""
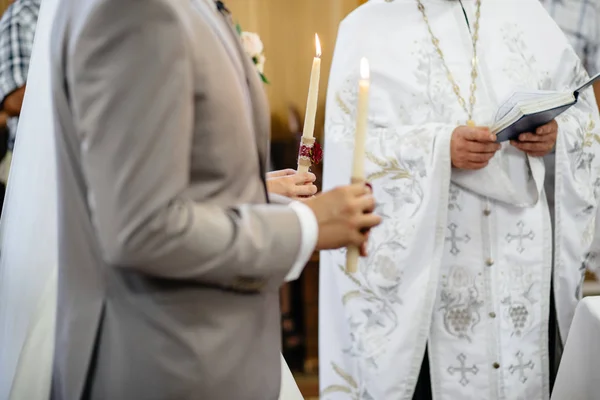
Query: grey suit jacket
{"points": [[169, 260]]}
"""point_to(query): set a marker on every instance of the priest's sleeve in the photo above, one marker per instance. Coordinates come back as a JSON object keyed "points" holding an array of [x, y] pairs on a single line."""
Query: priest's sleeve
{"points": [[398, 147], [577, 186]]}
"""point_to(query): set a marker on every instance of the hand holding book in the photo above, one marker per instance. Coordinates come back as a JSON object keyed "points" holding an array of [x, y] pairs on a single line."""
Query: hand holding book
{"points": [[525, 112], [472, 147], [539, 143]]}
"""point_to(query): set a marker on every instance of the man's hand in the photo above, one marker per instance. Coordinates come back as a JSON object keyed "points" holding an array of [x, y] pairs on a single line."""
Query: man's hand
{"points": [[14, 102], [472, 147], [344, 216], [3, 119], [540, 143], [290, 184]]}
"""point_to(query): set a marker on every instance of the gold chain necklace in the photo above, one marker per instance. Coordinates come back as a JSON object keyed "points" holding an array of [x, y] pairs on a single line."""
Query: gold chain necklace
{"points": [[474, 73]]}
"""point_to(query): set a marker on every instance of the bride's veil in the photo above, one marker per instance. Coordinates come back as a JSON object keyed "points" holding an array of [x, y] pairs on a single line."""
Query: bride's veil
{"points": [[28, 237]]}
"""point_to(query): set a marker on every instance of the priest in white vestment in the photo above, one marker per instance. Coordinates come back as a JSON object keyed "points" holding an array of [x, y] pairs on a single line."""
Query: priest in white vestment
{"points": [[454, 301]]}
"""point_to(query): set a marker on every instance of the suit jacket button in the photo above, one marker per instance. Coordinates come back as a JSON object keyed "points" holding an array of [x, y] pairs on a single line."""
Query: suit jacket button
{"points": [[249, 283]]}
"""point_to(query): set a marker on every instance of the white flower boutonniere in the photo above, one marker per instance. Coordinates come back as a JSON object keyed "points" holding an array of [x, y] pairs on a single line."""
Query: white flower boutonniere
{"points": [[254, 47]]}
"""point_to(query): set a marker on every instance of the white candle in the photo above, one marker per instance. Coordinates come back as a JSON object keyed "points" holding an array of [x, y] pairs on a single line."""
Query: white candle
{"points": [[312, 101], [358, 165]]}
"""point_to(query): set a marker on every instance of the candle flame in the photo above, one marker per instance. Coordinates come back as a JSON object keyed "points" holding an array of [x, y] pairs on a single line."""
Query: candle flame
{"points": [[364, 68], [318, 45]]}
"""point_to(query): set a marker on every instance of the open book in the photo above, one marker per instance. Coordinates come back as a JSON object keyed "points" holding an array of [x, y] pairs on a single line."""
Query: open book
{"points": [[525, 111]]}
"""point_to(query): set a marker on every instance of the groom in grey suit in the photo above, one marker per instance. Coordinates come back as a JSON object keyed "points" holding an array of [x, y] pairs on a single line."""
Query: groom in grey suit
{"points": [[170, 258]]}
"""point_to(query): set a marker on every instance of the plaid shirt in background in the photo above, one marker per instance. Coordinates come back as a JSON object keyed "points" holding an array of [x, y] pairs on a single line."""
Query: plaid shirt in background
{"points": [[17, 30], [580, 21]]}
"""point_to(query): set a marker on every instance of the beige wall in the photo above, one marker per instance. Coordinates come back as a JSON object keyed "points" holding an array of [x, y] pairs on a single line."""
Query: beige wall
{"points": [[287, 28], [4, 4]]}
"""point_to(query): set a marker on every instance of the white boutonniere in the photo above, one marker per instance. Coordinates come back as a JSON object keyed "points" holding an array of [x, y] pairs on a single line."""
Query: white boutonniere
{"points": [[254, 48]]}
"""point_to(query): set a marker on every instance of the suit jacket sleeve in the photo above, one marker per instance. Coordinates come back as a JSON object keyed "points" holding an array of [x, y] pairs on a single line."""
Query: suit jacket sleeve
{"points": [[279, 199], [132, 93]]}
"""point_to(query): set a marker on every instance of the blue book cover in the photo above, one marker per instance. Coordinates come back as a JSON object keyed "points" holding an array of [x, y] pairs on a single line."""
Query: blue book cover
{"points": [[525, 112]]}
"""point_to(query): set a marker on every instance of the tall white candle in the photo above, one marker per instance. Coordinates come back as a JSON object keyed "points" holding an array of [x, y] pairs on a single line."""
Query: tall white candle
{"points": [[311, 107], [358, 165]]}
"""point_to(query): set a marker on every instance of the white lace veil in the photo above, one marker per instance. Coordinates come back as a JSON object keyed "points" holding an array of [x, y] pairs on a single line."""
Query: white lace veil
{"points": [[28, 237]]}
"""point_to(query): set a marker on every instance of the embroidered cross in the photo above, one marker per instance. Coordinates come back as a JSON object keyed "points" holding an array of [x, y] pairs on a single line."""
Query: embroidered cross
{"points": [[520, 236], [454, 239], [463, 370], [520, 367]]}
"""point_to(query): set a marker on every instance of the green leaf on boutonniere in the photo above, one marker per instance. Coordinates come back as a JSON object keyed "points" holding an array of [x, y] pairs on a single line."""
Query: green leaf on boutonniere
{"points": [[238, 28], [264, 78]]}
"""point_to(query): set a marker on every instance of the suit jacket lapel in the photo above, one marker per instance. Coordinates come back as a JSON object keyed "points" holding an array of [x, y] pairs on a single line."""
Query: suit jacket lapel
{"points": [[220, 27], [259, 104]]}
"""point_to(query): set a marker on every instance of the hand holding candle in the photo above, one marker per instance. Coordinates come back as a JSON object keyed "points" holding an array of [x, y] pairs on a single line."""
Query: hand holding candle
{"points": [[305, 158], [358, 166]]}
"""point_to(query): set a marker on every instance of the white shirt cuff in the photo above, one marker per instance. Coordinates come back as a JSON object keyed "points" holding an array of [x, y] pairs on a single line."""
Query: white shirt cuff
{"points": [[310, 232]]}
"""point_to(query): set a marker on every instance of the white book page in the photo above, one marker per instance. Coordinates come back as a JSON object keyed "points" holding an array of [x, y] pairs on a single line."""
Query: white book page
{"points": [[557, 100], [518, 99]]}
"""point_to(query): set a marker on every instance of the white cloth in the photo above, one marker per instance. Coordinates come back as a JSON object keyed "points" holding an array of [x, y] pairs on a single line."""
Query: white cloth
{"points": [[463, 260], [29, 238], [28, 242], [289, 388], [310, 233], [578, 374]]}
